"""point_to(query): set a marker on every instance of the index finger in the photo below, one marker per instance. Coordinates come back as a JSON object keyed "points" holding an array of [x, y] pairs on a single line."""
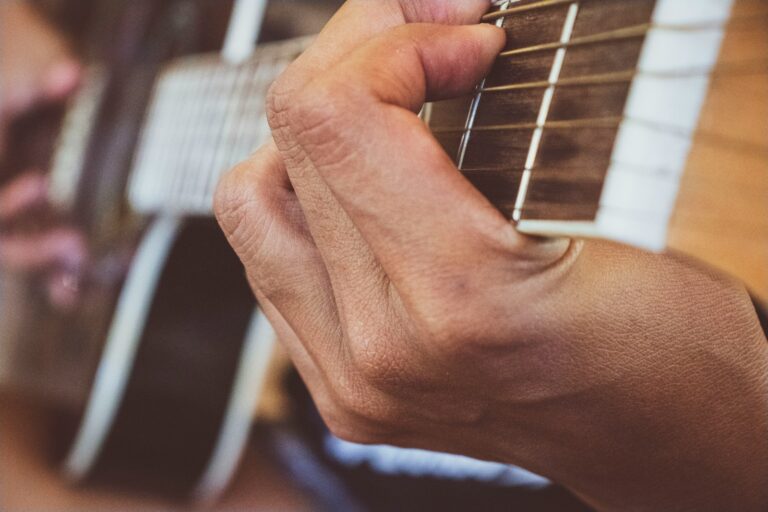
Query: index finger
{"points": [[401, 190]]}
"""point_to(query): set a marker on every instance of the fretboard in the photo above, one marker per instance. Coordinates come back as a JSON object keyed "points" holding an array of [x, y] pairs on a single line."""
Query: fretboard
{"points": [[586, 124], [205, 117]]}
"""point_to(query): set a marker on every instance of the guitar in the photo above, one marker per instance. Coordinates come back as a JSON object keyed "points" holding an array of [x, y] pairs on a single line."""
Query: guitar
{"points": [[62, 357], [638, 121], [548, 137], [602, 118]]}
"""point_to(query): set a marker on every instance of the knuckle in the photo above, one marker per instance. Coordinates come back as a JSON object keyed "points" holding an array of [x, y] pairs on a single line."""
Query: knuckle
{"points": [[278, 99], [233, 197], [240, 207], [310, 116], [316, 112], [230, 199]]}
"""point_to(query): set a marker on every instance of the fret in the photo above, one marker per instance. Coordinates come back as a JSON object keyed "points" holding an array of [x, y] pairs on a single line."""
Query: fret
{"points": [[546, 104], [219, 97], [450, 113], [236, 103], [565, 195], [201, 124], [205, 116], [613, 128], [465, 136], [660, 115]]}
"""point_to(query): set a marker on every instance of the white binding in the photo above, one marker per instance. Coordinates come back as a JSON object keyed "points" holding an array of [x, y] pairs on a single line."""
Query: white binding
{"points": [[249, 383], [655, 137], [260, 338], [120, 349]]}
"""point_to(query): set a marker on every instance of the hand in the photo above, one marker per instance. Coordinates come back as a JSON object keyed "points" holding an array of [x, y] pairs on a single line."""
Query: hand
{"points": [[35, 64], [419, 317], [35, 67], [58, 252]]}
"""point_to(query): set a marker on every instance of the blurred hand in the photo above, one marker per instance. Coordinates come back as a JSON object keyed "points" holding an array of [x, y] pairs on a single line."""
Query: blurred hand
{"points": [[419, 317], [35, 63], [35, 67]]}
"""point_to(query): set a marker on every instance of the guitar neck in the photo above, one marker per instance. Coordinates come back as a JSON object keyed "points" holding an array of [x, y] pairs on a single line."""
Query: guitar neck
{"points": [[206, 115], [590, 124]]}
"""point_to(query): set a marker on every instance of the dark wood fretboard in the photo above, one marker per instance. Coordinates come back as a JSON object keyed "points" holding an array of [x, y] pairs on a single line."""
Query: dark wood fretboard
{"points": [[585, 122]]}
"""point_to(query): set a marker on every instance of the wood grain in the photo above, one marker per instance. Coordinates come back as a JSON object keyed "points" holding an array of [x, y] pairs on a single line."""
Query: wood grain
{"points": [[722, 212]]}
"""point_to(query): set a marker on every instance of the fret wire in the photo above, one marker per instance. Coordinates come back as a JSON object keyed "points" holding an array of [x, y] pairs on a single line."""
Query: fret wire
{"points": [[249, 130], [192, 136], [226, 94], [595, 122], [546, 105], [472, 115], [213, 123], [206, 133], [239, 115], [224, 150]]}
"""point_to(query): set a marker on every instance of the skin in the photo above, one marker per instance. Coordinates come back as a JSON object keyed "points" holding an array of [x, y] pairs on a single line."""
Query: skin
{"points": [[419, 317], [36, 67]]}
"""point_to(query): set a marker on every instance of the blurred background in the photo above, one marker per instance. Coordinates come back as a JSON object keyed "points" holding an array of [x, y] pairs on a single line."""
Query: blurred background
{"points": [[135, 372]]}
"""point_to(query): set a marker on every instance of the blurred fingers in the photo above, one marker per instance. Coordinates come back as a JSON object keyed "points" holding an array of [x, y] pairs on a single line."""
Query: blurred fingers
{"points": [[62, 248], [22, 194]]}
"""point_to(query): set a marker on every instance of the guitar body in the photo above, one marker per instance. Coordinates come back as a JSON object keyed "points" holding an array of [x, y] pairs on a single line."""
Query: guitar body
{"points": [[155, 375], [169, 414], [163, 425]]}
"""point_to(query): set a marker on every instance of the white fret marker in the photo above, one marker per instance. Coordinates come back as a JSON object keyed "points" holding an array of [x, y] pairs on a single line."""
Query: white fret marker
{"points": [[546, 106]]}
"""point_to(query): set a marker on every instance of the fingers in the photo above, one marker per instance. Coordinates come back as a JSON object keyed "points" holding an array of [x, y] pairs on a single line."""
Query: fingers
{"points": [[353, 269], [402, 192], [61, 248], [261, 216], [35, 63], [22, 194]]}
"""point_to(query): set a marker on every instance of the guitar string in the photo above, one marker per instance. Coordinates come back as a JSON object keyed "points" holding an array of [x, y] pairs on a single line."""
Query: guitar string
{"points": [[637, 31], [724, 69], [605, 37], [541, 5], [732, 143], [570, 175]]}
